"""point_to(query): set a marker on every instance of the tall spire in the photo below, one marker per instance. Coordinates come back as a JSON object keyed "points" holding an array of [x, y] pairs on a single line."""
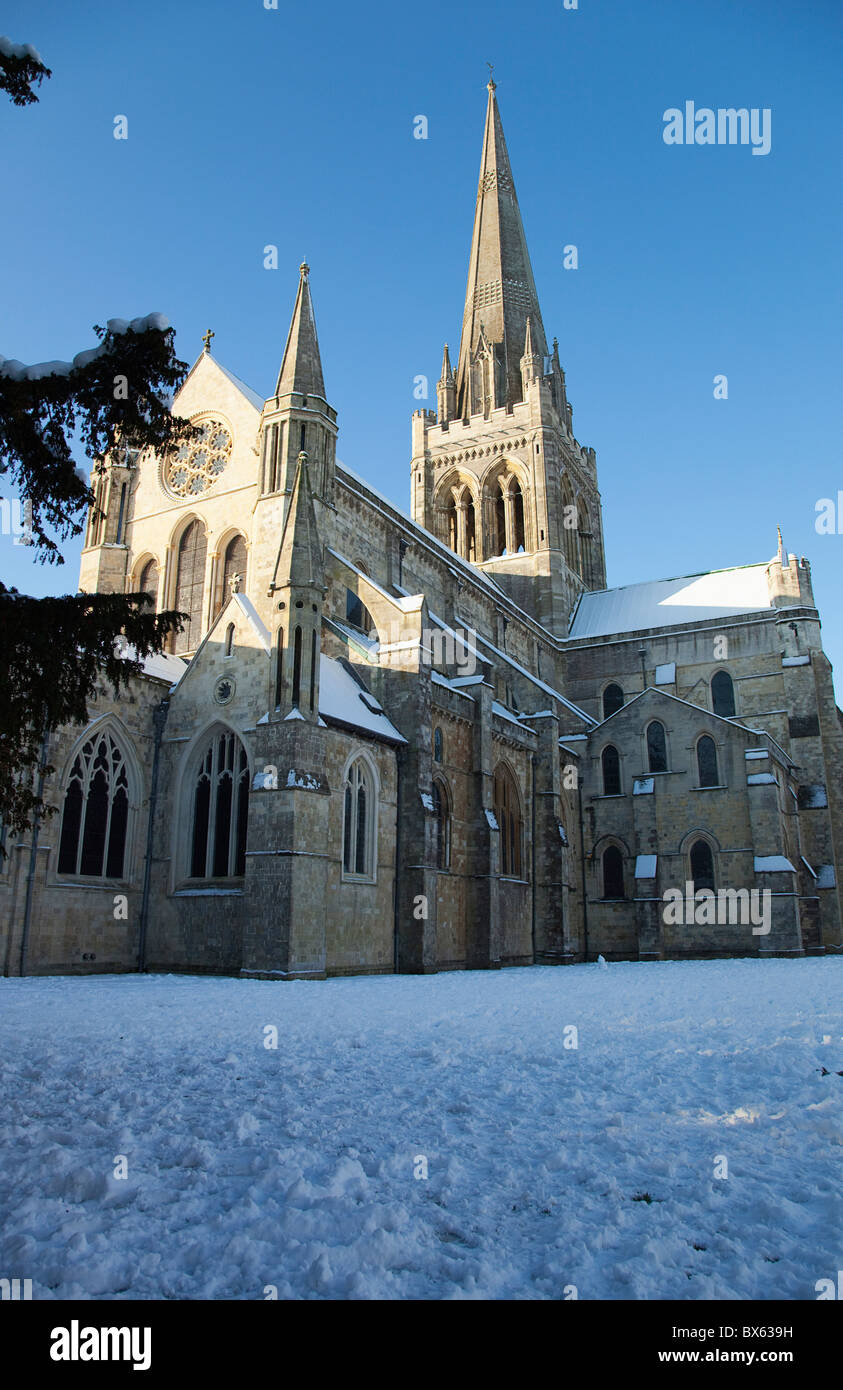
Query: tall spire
{"points": [[301, 365], [500, 286]]}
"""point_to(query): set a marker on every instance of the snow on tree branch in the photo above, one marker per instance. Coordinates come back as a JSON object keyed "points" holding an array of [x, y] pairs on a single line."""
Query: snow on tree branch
{"points": [[21, 69]]}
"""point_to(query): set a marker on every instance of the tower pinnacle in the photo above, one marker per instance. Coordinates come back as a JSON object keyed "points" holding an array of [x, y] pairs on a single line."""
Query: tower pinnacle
{"points": [[301, 365]]}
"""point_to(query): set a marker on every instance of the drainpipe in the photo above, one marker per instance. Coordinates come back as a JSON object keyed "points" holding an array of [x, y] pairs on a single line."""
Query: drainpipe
{"points": [[582, 866], [33, 850], [399, 758], [533, 856], [159, 719]]}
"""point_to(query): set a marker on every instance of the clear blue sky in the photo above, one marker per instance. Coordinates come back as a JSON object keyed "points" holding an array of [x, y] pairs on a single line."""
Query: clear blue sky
{"points": [[295, 127]]}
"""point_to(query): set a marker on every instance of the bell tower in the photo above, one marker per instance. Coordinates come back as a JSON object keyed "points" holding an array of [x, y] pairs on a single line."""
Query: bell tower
{"points": [[498, 475]]}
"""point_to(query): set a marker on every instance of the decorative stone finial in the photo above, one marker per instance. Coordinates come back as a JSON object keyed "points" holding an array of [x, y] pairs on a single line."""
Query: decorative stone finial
{"points": [[234, 583], [304, 270], [492, 84]]}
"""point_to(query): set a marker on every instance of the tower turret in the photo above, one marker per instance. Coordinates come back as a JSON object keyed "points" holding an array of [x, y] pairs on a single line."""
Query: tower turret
{"points": [[297, 590], [298, 417]]}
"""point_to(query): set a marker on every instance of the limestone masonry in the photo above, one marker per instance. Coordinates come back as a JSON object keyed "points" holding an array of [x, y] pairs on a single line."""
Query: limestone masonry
{"points": [[389, 743]]}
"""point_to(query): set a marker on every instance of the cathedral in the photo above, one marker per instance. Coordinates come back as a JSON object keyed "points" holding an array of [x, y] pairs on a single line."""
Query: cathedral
{"points": [[437, 741]]}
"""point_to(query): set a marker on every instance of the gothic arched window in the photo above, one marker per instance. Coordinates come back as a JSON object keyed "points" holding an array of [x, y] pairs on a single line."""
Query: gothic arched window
{"points": [[707, 762], [613, 873], [229, 640], [220, 809], [359, 821], [517, 502], [234, 563], [190, 585], [611, 771], [437, 745], [148, 581], [612, 700], [570, 528], [470, 532], [722, 694], [451, 523], [500, 523], [442, 824], [656, 747], [702, 865], [508, 816], [96, 811]]}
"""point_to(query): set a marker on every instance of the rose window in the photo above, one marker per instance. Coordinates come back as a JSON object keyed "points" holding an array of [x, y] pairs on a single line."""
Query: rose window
{"points": [[197, 466]]}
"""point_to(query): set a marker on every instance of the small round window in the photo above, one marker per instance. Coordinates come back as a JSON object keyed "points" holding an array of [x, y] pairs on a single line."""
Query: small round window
{"points": [[197, 465]]}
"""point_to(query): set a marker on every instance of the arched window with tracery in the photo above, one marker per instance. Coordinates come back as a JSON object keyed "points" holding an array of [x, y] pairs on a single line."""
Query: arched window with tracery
{"points": [[707, 762], [234, 563], [95, 815], [190, 585], [611, 764], [442, 824], [613, 873], [148, 581], [656, 747], [508, 816], [570, 529], [586, 538], [702, 866], [612, 700], [437, 744], [723, 694], [220, 808], [359, 821]]}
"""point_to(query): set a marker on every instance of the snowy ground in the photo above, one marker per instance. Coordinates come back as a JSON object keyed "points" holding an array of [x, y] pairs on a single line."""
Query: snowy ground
{"points": [[294, 1167]]}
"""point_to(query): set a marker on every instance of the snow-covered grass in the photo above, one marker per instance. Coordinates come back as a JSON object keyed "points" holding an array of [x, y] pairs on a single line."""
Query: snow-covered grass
{"points": [[548, 1166]]}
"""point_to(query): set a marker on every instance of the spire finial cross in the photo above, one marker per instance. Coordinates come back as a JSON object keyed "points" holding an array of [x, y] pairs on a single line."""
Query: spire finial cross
{"points": [[492, 83], [206, 339]]}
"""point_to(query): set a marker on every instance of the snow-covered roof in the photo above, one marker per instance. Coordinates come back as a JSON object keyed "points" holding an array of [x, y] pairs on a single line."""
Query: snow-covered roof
{"points": [[161, 667], [164, 667], [246, 606], [344, 701], [503, 713], [692, 598]]}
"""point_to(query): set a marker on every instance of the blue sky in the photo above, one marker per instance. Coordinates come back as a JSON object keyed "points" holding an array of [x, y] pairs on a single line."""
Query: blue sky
{"points": [[294, 127]]}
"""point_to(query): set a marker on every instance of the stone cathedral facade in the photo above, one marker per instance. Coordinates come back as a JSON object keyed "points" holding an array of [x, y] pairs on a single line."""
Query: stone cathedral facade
{"points": [[389, 742]]}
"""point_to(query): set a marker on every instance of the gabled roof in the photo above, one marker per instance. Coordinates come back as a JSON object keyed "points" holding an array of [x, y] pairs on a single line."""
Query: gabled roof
{"points": [[692, 598], [255, 401], [733, 723]]}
